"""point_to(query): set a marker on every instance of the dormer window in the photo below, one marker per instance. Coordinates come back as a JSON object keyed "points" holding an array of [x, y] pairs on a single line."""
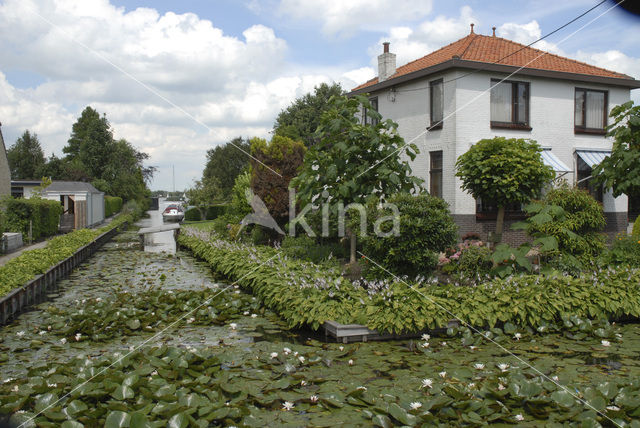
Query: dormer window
{"points": [[510, 104]]}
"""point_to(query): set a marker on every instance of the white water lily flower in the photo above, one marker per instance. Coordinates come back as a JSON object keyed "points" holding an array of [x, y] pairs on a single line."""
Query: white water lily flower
{"points": [[426, 337], [500, 387], [314, 398], [233, 326], [606, 343], [42, 332], [52, 385], [519, 417], [131, 348], [154, 373], [254, 315], [471, 385], [362, 388], [415, 405], [517, 336], [350, 362], [287, 405], [443, 343], [8, 380], [555, 378], [287, 351], [63, 340], [237, 291], [479, 366], [303, 382], [49, 327], [341, 348], [443, 374], [503, 366], [301, 358], [473, 347], [15, 388], [98, 299], [427, 383], [78, 336], [425, 345], [20, 333], [614, 408], [245, 313], [274, 355], [190, 320]]}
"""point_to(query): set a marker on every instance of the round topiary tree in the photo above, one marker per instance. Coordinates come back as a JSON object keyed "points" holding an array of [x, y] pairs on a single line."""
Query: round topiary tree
{"points": [[504, 171], [426, 229]]}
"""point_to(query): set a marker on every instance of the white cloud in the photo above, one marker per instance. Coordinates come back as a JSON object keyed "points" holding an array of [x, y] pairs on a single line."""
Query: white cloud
{"points": [[526, 34], [347, 17], [612, 60], [412, 43]]}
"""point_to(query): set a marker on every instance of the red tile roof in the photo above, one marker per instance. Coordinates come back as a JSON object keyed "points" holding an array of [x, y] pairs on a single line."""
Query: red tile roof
{"points": [[491, 49]]}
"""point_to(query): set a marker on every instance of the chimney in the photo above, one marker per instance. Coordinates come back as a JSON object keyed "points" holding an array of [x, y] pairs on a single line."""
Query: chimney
{"points": [[494, 31], [386, 63], [471, 28]]}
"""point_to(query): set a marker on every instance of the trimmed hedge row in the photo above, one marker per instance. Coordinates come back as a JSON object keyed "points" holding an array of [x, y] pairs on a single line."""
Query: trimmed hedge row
{"points": [[307, 294], [192, 214], [41, 215], [112, 205], [23, 268]]}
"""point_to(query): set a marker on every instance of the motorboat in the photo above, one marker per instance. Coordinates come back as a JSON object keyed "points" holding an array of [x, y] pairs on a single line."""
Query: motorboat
{"points": [[173, 212]]}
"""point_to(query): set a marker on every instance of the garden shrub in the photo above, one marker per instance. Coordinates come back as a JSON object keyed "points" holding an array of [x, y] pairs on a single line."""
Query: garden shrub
{"points": [[624, 251], [193, 214], [241, 188], [469, 259], [577, 229], [42, 214], [426, 229], [304, 247], [223, 225], [259, 236], [215, 211], [636, 227], [112, 205]]}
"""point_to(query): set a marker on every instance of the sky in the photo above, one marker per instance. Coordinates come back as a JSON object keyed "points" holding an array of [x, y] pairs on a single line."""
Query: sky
{"points": [[178, 78]]}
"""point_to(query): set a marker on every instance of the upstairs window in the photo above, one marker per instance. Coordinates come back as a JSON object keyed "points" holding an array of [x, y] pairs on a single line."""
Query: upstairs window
{"points": [[366, 119], [510, 104], [590, 111], [435, 173], [436, 103]]}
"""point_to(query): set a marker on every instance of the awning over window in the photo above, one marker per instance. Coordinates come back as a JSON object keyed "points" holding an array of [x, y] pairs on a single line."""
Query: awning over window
{"points": [[552, 160], [593, 157]]}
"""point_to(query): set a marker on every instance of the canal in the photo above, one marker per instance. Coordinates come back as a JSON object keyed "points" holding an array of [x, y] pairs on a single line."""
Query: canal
{"points": [[132, 321]]}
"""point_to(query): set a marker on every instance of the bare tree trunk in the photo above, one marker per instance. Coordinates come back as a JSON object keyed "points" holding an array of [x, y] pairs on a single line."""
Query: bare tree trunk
{"points": [[499, 224], [352, 253]]}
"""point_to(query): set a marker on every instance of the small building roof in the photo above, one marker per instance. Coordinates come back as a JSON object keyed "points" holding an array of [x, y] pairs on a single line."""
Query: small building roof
{"points": [[71, 186], [477, 51]]}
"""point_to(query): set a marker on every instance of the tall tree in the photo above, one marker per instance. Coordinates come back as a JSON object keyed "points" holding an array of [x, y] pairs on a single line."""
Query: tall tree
{"points": [[300, 120], [26, 158], [503, 171], [352, 161], [91, 142], [284, 156], [225, 163], [621, 170]]}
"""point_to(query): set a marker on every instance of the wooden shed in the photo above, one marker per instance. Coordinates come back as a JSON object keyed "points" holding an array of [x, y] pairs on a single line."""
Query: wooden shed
{"points": [[83, 204]]}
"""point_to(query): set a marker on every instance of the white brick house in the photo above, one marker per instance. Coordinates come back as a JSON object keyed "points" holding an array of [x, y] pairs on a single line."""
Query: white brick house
{"points": [[453, 97]]}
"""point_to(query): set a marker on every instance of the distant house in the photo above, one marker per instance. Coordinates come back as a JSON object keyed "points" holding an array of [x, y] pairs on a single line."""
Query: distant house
{"points": [[5, 172], [486, 86], [83, 204], [23, 188]]}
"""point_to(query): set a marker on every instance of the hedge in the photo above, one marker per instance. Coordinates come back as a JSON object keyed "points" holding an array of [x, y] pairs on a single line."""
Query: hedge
{"points": [[307, 294], [112, 205], [41, 215], [192, 214], [30, 263], [215, 211]]}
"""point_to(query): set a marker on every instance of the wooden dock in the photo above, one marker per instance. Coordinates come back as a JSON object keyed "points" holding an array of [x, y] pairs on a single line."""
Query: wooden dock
{"points": [[348, 333]]}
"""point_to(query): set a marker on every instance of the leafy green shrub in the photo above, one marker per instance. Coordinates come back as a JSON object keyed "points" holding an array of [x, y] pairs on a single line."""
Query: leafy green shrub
{"points": [[259, 236], [304, 293], [2, 221], [241, 188], [426, 229], [624, 251], [192, 214], [474, 260], [304, 247], [42, 216], [215, 211], [576, 228], [112, 205], [636, 227], [222, 225]]}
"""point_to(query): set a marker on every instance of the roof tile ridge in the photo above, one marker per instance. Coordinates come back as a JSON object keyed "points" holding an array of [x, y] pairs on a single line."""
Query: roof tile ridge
{"points": [[433, 52], [473, 39], [562, 57]]}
